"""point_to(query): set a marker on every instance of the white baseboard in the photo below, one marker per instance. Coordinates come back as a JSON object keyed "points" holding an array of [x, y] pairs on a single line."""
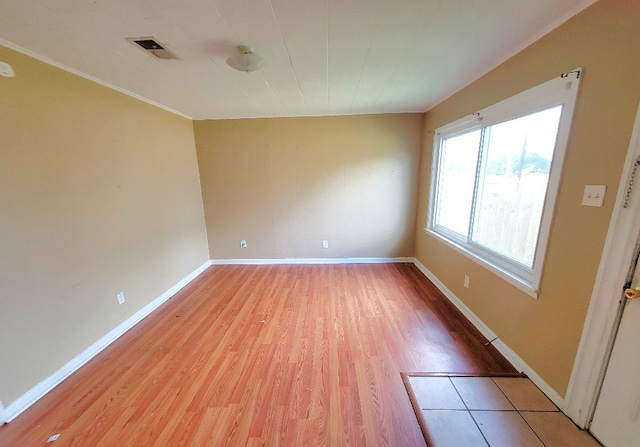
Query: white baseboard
{"points": [[293, 261], [505, 350], [30, 397], [34, 394]]}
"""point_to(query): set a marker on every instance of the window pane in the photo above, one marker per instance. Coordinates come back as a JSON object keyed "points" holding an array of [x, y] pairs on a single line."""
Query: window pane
{"points": [[456, 180], [511, 192]]}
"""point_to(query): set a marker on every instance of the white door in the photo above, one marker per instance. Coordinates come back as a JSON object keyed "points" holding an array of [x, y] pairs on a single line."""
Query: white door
{"points": [[616, 421]]}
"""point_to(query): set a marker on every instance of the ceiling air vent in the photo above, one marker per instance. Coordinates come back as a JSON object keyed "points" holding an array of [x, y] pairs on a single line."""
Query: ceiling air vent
{"points": [[150, 45]]}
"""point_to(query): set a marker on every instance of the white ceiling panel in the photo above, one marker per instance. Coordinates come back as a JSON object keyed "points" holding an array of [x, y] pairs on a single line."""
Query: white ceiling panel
{"points": [[322, 57], [350, 42], [306, 42]]}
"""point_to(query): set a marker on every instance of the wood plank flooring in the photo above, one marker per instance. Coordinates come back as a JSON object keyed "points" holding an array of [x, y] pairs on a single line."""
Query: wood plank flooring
{"points": [[266, 356]]}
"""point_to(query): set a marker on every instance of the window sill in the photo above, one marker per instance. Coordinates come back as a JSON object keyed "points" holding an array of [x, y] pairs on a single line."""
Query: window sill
{"points": [[519, 283]]}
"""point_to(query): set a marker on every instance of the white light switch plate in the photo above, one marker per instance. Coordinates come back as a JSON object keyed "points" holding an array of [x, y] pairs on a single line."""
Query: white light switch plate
{"points": [[593, 195]]}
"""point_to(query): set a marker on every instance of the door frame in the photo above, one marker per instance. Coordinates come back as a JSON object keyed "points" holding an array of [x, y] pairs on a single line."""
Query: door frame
{"points": [[603, 316]]}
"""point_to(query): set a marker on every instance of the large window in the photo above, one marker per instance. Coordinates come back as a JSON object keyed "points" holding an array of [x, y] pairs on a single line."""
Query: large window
{"points": [[495, 178]]}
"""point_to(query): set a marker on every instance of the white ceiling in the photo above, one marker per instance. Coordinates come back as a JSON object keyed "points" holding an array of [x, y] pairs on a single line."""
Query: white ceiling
{"points": [[323, 57]]}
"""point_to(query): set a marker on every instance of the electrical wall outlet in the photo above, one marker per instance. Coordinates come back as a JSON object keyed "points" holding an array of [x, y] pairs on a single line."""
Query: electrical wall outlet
{"points": [[466, 281], [325, 244], [243, 244], [120, 297]]}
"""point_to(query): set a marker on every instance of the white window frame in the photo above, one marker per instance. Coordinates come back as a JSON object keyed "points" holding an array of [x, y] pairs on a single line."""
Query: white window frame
{"points": [[562, 90]]}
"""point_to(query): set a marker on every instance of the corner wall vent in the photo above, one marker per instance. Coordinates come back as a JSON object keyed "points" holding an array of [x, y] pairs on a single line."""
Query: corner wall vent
{"points": [[151, 46]]}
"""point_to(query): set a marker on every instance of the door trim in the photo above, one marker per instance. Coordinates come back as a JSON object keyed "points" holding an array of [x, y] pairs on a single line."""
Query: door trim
{"points": [[603, 317], [3, 415]]}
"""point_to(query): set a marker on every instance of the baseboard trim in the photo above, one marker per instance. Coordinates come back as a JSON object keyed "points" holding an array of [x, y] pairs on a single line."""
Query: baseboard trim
{"points": [[30, 397], [293, 261], [15, 408], [502, 347]]}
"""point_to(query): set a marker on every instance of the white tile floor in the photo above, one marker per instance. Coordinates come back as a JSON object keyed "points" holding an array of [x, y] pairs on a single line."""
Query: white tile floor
{"points": [[491, 411]]}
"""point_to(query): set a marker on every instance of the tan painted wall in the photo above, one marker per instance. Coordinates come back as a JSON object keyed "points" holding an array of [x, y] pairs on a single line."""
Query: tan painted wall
{"points": [[99, 193], [286, 184], [545, 332]]}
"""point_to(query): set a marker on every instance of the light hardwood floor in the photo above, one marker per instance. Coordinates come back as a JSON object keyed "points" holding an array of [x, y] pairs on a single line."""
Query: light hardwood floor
{"points": [[266, 355]]}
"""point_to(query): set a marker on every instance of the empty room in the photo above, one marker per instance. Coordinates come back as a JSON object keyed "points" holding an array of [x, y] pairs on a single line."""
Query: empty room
{"points": [[319, 222]]}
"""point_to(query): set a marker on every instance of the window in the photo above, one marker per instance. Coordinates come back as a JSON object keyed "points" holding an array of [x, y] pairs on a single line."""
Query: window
{"points": [[495, 179]]}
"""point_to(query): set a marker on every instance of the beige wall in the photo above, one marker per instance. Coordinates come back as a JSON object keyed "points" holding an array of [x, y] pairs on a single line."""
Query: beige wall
{"points": [[545, 332], [286, 184], [99, 193]]}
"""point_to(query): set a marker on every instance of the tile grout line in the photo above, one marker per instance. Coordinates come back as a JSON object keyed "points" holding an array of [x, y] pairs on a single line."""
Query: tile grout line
{"points": [[519, 413], [469, 412], [532, 429]]}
